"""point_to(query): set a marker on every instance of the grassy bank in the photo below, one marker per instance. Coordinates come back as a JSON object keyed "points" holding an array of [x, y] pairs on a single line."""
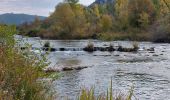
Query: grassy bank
{"points": [[90, 95]]}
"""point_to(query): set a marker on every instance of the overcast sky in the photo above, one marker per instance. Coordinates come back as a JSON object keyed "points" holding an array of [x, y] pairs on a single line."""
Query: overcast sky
{"points": [[33, 7]]}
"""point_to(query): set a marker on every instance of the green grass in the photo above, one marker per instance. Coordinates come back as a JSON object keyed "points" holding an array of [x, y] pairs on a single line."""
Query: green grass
{"points": [[90, 95]]}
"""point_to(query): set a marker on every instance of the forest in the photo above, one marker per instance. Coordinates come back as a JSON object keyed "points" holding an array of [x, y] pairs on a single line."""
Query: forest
{"points": [[139, 20]]}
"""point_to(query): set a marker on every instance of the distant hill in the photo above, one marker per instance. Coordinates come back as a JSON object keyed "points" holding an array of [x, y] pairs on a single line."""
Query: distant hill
{"points": [[17, 19], [102, 2]]}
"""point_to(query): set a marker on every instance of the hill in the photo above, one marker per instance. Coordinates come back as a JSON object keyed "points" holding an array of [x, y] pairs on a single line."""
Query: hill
{"points": [[102, 2], [17, 19]]}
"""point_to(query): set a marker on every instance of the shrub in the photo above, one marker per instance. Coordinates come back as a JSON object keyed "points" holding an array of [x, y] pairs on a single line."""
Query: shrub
{"points": [[135, 46], [33, 33], [89, 47], [161, 30], [47, 44], [19, 73]]}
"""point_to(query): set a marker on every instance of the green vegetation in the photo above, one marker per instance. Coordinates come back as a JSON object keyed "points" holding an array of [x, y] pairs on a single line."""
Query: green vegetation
{"points": [[89, 47], [125, 19], [19, 73], [89, 95], [47, 44]]}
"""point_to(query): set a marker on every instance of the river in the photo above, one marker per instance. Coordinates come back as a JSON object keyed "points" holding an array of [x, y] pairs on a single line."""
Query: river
{"points": [[148, 72]]}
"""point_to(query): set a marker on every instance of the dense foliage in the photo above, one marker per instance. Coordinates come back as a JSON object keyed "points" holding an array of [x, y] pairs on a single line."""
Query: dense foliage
{"points": [[123, 19], [19, 73]]}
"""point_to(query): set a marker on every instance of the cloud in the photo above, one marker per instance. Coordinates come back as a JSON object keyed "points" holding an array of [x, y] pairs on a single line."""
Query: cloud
{"points": [[34, 7]]}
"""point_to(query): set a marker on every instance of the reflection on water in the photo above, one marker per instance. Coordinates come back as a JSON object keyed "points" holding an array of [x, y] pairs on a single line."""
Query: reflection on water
{"points": [[149, 74]]}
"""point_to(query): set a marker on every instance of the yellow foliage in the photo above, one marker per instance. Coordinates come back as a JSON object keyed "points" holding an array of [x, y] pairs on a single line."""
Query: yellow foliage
{"points": [[164, 7], [69, 20], [144, 19], [106, 22], [138, 8], [122, 14], [96, 10]]}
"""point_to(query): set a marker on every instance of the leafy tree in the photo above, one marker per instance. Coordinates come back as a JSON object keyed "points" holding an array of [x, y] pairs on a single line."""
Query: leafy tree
{"points": [[63, 19], [121, 14], [106, 22], [164, 8], [137, 7], [69, 21], [144, 20], [96, 10], [161, 27]]}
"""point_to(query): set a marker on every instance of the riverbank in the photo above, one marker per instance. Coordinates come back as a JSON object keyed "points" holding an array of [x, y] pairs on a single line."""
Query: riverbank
{"points": [[108, 36], [112, 36]]}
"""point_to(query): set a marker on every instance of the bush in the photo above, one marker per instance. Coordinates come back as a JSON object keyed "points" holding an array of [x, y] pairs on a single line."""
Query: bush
{"points": [[33, 33], [161, 30], [135, 46], [19, 73], [89, 47], [47, 44]]}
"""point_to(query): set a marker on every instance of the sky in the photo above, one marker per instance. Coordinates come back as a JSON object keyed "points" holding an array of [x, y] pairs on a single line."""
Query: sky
{"points": [[32, 7]]}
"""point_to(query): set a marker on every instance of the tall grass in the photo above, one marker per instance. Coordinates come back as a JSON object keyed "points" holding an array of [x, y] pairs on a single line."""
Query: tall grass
{"points": [[19, 73], [90, 95]]}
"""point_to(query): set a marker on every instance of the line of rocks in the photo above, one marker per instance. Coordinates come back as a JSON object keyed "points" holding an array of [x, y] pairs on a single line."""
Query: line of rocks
{"points": [[51, 69], [109, 49]]}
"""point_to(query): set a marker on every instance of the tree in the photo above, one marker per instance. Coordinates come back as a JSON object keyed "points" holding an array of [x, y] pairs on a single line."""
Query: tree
{"points": [[37, 21], [96, 10], [137, 7], [144, 19], [62, 19], [121, 14], [80, 24], [69, 21], [106, 22], [161, 28]]}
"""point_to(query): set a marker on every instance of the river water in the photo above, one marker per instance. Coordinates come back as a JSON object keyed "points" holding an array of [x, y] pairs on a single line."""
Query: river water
{"points": [[148, 72]]}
